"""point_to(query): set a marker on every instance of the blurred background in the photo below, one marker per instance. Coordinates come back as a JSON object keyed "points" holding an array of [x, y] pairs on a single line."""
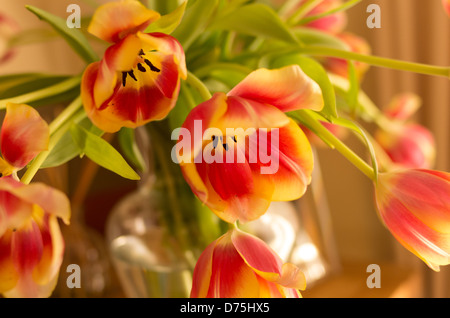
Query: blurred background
{"points": [[412, 30]]}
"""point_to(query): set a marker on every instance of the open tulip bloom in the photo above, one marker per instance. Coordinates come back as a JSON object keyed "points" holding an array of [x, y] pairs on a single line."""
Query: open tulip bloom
{"points": [[138, 79], [225, 91]]}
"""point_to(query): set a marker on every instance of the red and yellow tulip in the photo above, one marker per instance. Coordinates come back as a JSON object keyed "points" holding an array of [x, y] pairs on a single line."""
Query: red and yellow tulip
{"points": [[415, 207], [239, 265], [31, 244], [243, 187], [23, 135], [138, 79]]}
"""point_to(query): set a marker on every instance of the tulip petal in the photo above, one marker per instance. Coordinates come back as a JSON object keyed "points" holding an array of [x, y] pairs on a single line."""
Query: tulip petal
{"points": [[431, 246], [291, 159], [114, 21], [202, 272], [52, 201], [287, 88], [230, 276], [8, 274], [257, 254], [426, 195], [24, 134]]}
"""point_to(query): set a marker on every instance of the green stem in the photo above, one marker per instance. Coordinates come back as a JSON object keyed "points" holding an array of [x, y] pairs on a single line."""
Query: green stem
{"points": [[58, 128], [43, 93], [206, 70], [345, 6], [303, 10], [335, 142], [379, 61], [196, 83]]}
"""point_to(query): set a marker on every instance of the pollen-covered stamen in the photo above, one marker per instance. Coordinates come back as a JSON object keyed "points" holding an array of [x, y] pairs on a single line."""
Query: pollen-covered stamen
{"points": [[141, 68], [152, 67]]}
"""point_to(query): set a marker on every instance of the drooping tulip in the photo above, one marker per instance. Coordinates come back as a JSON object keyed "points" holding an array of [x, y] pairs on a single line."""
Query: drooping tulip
{"points": [[138, 78], [23, 135], [31, 244], [408, 146], [239, 151], [355, 44], [239, 265], [415, 207]]}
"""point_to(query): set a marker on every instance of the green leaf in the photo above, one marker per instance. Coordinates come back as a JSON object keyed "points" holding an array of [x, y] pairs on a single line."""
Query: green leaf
{"points": [[255, 19], [66, 149], [101, 152], [74, 37], [315, 71], [194, 21], [130, 149], [310, 36], [169, 22], [14, 85]]}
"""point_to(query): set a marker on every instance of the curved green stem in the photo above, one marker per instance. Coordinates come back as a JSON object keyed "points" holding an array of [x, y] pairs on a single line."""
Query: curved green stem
{"points": [[195, 82], [379, 61], [58, 128], [43, 93], [337, 144]]}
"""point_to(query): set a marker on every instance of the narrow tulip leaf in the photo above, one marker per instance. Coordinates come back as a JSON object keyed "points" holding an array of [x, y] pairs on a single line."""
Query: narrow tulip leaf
{"points": [[363, 135], [169, 22], [15, 85], [310, 36], [73, 36], [255, 19], [316, 72], [101, 152], [130, 148], [66, 149], [194, 21]]}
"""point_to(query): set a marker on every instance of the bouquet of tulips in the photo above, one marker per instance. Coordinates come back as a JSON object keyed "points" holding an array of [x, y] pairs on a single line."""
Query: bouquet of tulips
{"points": [[245, 89]]}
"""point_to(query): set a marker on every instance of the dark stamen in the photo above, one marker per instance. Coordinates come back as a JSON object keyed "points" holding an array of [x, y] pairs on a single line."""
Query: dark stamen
{"points": [[225, 146], [124, 78], [234, 139], [152, 67], [131, 73], [141, 52], [215, 141], [141, 68]]}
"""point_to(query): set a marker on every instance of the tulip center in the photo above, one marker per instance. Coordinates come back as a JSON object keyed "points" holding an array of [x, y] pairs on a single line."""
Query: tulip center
{"points": [[215, 139], [141, 66]]}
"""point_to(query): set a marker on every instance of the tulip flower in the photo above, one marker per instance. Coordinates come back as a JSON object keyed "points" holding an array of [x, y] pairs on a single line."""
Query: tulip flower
{"points": [[138, 79], [23, 135], [356, 44], [446, 4], [239, 265], [31, 244], [333, 23], [239, 151], [402, 106], [8, 29], [409, 146], [415, 207]]}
